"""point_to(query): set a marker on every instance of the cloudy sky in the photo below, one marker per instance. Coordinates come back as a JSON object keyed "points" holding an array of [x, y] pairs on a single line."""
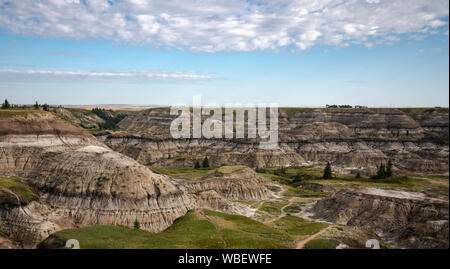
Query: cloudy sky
{"points": [[295, 53]]}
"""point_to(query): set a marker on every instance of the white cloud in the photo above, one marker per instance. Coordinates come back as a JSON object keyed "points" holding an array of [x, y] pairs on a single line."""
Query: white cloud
{"points": [[124, 76], [226, 25]]}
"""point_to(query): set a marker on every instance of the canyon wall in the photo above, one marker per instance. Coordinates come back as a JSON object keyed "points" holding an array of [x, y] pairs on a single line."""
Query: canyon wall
{"points": [[355, 139]]}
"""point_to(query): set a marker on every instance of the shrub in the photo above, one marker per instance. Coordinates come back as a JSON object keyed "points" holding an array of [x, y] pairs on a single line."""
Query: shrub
{"points": [[327, 173], [137, 225], [205, 163]]}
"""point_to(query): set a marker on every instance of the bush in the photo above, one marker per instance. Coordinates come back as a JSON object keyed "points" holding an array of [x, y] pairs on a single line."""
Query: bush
{"points": [[137, 225], [327, 173], [6, 105], [205, 163], [197, 165]]}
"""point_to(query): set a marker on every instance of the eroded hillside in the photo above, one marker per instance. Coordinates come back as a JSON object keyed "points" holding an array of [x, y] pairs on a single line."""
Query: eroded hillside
{"points": [[80, 181], [354, 139]]}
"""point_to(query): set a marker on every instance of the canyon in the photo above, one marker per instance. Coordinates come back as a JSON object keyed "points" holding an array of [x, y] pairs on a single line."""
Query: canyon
{"points": [[81, 177]]}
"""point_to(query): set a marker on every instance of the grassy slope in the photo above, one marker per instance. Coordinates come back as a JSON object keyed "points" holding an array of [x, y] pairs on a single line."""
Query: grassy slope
{"points": [[296, 226], [190, 232], [15, 113], [25, 192], [432, 184], [209, 230]]}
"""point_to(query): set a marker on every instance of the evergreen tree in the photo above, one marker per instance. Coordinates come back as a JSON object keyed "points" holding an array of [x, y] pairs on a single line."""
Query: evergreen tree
{"points": [[197, 164], [327, 173], [205, 163], [137, 225], [389, 169], [46, 107], [381, 174], [6, 104], [358, 175], [36, 105]]}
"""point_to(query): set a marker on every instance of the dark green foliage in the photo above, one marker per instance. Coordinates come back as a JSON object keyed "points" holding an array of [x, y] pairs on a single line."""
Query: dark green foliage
{"points": [[36, 106], [46, 107], [358, 175], [137, 225], [384, 171], [197, 164], [111, 120], [205, 163], [389, 169], [6, 104], [327, 173]]}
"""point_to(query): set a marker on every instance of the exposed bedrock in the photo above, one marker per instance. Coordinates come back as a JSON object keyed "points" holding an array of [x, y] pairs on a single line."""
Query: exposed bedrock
{"points": [[408, 219], [243, 184], [350, 138], [81, 181]]}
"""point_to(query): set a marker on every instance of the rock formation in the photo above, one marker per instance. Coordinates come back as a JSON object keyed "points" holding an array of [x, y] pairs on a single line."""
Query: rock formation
{"points": [[358, 139], [80, 181], [408, 219], [242, 184]]}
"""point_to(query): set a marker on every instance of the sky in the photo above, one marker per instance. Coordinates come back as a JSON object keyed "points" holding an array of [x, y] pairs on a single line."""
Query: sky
{"points": [[376, 53]]}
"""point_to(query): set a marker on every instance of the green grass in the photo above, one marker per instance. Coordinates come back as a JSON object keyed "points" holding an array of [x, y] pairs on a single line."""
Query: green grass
{"points": [[322, 244], [414, 111], [273, 207], [230, 169], [244, 233], [185, 157], [17, 113], [215, 231], [293, 177], [296, 226], [25, 192], [188, 232]]}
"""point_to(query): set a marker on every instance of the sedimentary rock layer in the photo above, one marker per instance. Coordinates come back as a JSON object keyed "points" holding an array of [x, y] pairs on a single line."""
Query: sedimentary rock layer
{"points": [[360, 139], [411, 220], [80, 181]]}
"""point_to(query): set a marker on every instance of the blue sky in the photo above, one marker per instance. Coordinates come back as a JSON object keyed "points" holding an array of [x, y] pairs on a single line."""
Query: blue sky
{"points": [[149, 52]]}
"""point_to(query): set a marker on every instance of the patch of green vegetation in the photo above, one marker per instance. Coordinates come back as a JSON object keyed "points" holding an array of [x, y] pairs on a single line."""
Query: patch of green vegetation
{"points": [[294, 208], [188, 173], [188, 232], [291, 111], [244, 233], [322, 244], [273, 207], [230, 169], [293, 175], [19, 113], [185, 157], [86, 112], [410, 183], [210, 230], [25, 192], [415, 111], [296, 226], [111, 118], [297, 192]]}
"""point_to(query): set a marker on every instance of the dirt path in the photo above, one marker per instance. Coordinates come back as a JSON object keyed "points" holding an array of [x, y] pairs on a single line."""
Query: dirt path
{"points": [[302, 243], [218, 228]]}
